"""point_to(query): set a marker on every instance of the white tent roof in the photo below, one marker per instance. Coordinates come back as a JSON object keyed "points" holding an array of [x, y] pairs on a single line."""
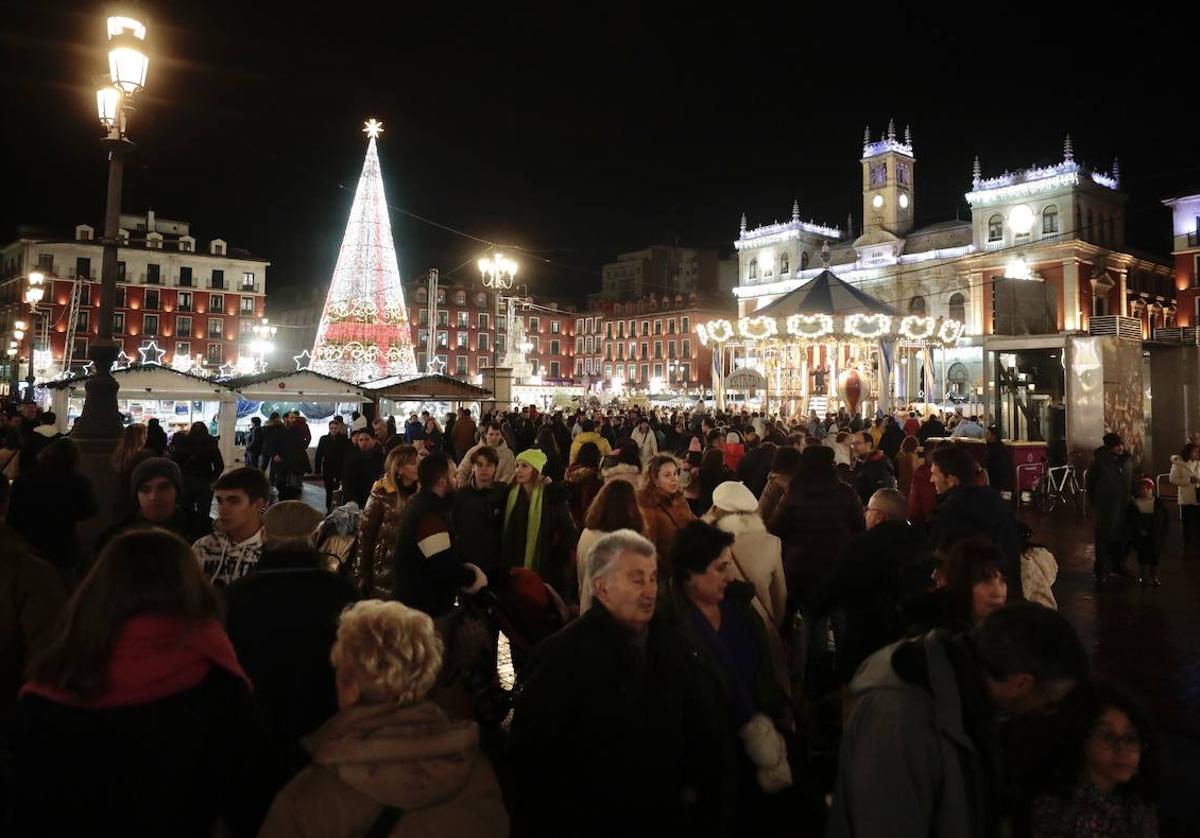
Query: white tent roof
{"points": [[297, 385], [152, 381]]}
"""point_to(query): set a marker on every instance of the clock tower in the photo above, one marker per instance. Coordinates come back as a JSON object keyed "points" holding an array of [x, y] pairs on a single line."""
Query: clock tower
{"points": [[887, 167]]}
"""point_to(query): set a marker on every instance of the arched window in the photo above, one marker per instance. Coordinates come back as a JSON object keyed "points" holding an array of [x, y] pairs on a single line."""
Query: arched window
{"points": [[460, 298], [1049, 220], [995, 228], [753, 269], [958, 307], [916, 306], [957, 377], [783, 264], [422, 295], [804, 260], [480, 300]]}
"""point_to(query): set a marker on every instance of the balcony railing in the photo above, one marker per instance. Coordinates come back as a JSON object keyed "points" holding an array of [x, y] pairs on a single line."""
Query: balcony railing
{"points": [[1127, 328]]}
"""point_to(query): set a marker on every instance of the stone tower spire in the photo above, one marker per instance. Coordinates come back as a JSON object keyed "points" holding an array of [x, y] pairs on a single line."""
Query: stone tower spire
{"points": [[795, 210], [1068, 150], [743, 229], [976, 171], [867, 136], [1116, 170], [908, 135], [891, 134]]}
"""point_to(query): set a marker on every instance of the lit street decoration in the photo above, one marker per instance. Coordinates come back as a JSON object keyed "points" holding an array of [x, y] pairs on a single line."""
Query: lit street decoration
{"points": [[303, 360], [151, 353]]}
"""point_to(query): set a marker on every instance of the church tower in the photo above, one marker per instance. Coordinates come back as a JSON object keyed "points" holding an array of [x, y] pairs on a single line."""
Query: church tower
{"points": [[888, 166]]}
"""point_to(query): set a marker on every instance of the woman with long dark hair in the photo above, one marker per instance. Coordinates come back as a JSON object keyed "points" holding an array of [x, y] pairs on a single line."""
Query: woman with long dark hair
{"points": [[615, 508], [138, 711], [583, 479], [131, 450], [969, 585], [48, 501]]}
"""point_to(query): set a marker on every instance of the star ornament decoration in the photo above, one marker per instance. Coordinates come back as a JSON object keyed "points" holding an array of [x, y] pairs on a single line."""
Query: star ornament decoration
{"points": [[372, 128], [122, 361], [303, 360], [437, 366], [89, 368], [226, 370], [151, 354]]}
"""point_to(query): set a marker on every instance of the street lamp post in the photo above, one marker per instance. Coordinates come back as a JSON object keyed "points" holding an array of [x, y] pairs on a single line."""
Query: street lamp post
{"points": [[499, 273], [127, 66], [263, 345], [33, 295]]}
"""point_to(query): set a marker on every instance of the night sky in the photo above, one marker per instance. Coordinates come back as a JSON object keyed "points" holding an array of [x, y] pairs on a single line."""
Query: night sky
{"points": [[576, 131]]}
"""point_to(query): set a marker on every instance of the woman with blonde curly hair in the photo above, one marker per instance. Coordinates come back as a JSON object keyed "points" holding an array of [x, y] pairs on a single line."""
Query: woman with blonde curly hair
{"points": [[390, 762], [379, 525]]}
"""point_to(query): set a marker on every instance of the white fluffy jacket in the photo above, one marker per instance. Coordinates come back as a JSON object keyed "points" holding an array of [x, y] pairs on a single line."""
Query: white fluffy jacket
{"points": [[760, 556], [1182, 473]]}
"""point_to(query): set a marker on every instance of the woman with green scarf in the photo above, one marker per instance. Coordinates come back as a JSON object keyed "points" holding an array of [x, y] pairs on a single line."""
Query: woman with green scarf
{"points": [[539, 534]]}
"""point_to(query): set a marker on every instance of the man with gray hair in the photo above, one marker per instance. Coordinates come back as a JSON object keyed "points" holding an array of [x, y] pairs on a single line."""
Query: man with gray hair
{"points": [[598, 728], [880, 573]]}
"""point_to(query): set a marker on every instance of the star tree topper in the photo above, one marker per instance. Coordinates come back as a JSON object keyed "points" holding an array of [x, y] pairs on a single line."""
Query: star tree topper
{"points": [[373, 128]]}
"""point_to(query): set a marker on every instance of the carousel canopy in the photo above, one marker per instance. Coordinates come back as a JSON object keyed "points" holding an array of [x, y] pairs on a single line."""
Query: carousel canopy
{"points": [[826, 294]]}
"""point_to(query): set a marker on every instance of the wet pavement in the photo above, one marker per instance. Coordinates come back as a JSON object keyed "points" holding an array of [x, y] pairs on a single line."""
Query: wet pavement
{"points": [[1146, 638]]}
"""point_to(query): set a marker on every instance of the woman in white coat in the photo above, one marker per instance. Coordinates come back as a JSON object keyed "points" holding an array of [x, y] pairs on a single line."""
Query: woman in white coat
{"points": [[646, 440], [758, 555], [1185, 476]]}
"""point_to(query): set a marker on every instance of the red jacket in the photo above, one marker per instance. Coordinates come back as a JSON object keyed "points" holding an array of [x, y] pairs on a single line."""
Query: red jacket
{"points": [[912, 426], [922, 497]]}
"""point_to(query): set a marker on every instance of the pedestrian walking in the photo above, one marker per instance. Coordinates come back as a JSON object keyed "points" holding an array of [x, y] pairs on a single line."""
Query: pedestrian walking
{"points": [[663, 507], [1148, 527], [1110, 493]]}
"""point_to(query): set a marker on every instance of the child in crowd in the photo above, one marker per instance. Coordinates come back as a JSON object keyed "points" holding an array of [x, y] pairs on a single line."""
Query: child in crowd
{"points": [[1148, 523]]}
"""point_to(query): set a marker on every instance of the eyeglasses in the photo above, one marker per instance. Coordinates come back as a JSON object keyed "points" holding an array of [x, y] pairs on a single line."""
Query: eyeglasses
{"points": [[1130, 741]]}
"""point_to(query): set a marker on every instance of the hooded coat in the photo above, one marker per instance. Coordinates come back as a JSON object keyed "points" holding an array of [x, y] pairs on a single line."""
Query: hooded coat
{"points": [[413, 758], [1183, 472], [759, 561]]}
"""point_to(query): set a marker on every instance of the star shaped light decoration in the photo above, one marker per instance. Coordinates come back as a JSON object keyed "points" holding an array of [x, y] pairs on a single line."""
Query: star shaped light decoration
{"points": [[303, 360], [121, 362], [373, 128], [437, 366], [182, 363], [89, 368], [226, 370], [151, 354]]}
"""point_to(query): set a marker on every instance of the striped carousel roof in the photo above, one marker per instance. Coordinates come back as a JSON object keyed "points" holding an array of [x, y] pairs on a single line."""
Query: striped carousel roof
{"points": [[826, 294]]}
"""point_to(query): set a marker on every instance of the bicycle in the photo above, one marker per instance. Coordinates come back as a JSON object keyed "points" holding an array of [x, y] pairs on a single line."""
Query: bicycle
{"points": [[1058, 484]]}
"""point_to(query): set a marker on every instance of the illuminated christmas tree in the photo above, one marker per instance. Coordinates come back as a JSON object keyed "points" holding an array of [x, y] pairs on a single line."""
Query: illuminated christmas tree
{"points": [[364, 333]]}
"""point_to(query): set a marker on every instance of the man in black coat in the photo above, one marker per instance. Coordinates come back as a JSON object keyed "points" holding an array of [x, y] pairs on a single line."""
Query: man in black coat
{"points": [[599, 744], [891, 439], [282, 619], [157, 486], [880, 571], [931, 428], [998, 461], [873, 471], [1110, 492], [478, 514], [363, 467], [965, 509], [332, 452]]}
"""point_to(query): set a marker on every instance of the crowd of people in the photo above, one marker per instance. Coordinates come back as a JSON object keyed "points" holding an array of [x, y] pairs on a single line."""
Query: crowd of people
{"points": [[718, 624]]}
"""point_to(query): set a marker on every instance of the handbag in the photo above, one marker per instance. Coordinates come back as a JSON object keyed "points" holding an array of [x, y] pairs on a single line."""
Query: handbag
{"points": [[779, 657]]}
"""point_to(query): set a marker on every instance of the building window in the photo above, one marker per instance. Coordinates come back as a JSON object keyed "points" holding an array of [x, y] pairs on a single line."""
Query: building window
{"points": [[120, 271], [958, 308], [83, 321], [118, 322], [645, 349], [460, 364], [556, 327], [501, 342], [753, 269], [587, 366], [443, 340], [620, 352], [152, 274], [685, 324], [216, 304], [460, 298], [462, 319], [578, 346], [608, 371], [422, 295], [1050, 220], [218, 280], [481, 341], [441, 295], [183, 349], [83, 268], [658, 370], [803, 260], [216, 328], [247, 281], [119, 301], [421, 360], [995, 228], [483, 320], [658, 349], [85, 294], [916, 306], [671, 326], [46, 262], [587, 344], [670, 349], [555, 348], [151, 301], [443, 318], [79, 349], [482, 363], [248, 305], [578, 367], [645, 371], [245, 329], [215, 355], [783, 263], [535, 346], [535, 325], [645, 327], [423, 338], [423, 317], [685, 348], [621, 329], [183, 327], [685, 371], [480, 300], [554, 369], [150, 325], [460, 339], [185, 277], [658, 327]]}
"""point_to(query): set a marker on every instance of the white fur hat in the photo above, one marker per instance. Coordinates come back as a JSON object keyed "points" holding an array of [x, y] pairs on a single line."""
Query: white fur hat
{"points": [[732, 496]]}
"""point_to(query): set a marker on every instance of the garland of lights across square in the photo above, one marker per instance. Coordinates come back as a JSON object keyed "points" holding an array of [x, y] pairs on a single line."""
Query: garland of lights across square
{"points": [[786, 350], [364, 332]]}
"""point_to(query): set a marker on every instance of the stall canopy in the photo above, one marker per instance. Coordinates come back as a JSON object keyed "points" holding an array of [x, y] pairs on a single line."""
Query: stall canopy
{"points": [[826, 293], [152, 381], [428, 388], [296, 385]]}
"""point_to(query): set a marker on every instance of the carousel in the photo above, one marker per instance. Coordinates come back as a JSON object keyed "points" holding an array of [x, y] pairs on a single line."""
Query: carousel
{"points": [[828, 345]]}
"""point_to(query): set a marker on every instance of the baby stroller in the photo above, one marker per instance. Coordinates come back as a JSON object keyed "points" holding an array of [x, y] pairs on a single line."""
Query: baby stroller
{"points": [[337, 539], [489, 636]]}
